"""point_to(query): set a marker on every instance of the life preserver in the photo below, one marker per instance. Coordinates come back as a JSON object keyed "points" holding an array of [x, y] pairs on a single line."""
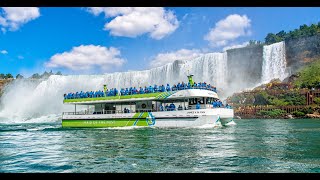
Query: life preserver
{"points": [[143, 106]]}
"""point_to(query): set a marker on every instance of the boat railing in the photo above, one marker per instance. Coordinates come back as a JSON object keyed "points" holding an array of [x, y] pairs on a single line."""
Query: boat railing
{"points": [[158, 91], [136, 111]]}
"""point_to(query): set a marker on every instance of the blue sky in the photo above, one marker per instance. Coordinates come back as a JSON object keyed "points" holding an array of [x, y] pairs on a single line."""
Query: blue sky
{"points": [[104, 40]]}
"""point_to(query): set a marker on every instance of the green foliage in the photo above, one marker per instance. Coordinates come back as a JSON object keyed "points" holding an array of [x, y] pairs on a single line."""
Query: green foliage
{"points": [[274, 113], [44, 75], [317, 100], [2, 76], [272, 38], [261, 98], [298, 113], [19, 76], [254, 42], [235, 99], [35, 76], [7, 76], [303, 31], [308, 110], [309, 77], [292, 98], [279, 102]]}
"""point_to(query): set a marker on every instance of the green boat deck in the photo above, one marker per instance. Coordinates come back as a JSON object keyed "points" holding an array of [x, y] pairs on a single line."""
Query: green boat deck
{"points": [[149, 95]]}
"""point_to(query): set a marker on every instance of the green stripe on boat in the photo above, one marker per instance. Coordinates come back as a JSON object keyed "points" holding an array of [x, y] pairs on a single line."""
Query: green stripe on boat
{"points": [[139, 119], [150, 95], [164, 95]]}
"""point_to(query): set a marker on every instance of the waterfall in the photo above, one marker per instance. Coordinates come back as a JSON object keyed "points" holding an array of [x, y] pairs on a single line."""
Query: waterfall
{"points": [[24, 100], [35, 101], [274, 62]]}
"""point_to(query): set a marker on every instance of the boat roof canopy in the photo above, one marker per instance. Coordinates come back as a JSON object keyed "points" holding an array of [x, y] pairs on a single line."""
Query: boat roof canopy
{"points": [[164, 96]]}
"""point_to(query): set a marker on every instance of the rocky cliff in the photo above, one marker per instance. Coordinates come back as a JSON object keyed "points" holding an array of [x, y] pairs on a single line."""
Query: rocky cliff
{"points": [[302, 51]]}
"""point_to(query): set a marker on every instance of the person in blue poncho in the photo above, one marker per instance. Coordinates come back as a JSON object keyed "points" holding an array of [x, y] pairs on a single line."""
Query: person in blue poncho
{"points": [[178, 86], [122, 92], [199, 85], [141, 90], [150, 89], [161, 107], [134, 90], [146, 89], [162, 88], [174, 87], [155, 88], [172, 107], [183, 85], [195, 85], [198, 105], [167, 107], [168, 87], [214, 104]]}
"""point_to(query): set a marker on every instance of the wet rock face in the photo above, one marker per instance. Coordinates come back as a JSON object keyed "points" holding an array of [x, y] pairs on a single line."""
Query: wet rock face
{"points": [[245, 65], [301, 51]]}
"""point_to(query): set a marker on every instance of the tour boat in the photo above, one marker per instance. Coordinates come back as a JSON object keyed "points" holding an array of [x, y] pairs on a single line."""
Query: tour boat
{"points": [[185, 106]]}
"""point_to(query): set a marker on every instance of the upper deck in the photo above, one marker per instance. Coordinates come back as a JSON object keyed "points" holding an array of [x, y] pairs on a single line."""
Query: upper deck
{"points": [[185, 93], [157, 93]]}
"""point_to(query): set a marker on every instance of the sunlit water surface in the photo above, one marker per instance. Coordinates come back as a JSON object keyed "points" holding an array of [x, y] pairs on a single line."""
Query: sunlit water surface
{"points": [[269, 145]]}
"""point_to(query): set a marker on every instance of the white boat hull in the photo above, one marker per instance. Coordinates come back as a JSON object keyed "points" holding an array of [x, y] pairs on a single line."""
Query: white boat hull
{"points": [[183, 118]]}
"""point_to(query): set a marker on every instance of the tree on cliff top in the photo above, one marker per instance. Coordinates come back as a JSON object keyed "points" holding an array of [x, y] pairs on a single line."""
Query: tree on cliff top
{"points": [[272, 38], [19, 76], [303, 31], [35, 76], [8, 76]]}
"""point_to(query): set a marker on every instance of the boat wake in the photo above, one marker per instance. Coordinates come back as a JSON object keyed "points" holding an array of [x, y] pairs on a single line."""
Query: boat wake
{"points": [[232, 123]]}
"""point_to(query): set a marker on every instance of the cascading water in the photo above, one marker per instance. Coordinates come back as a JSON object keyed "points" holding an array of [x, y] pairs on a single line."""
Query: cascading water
{"points": [[39, 101], [274, 62], [36, 101]]}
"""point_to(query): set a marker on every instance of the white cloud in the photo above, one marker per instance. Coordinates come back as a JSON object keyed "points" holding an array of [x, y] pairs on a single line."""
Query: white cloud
{"points": [[4, 52], [228, 29], [14, 17], [165, 58], [135, 21], [87, 58], [236, 46]]}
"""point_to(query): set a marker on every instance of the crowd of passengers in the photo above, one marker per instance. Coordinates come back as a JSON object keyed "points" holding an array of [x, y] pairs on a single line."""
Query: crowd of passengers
{"points": [[172, 106], [141, 90]]}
